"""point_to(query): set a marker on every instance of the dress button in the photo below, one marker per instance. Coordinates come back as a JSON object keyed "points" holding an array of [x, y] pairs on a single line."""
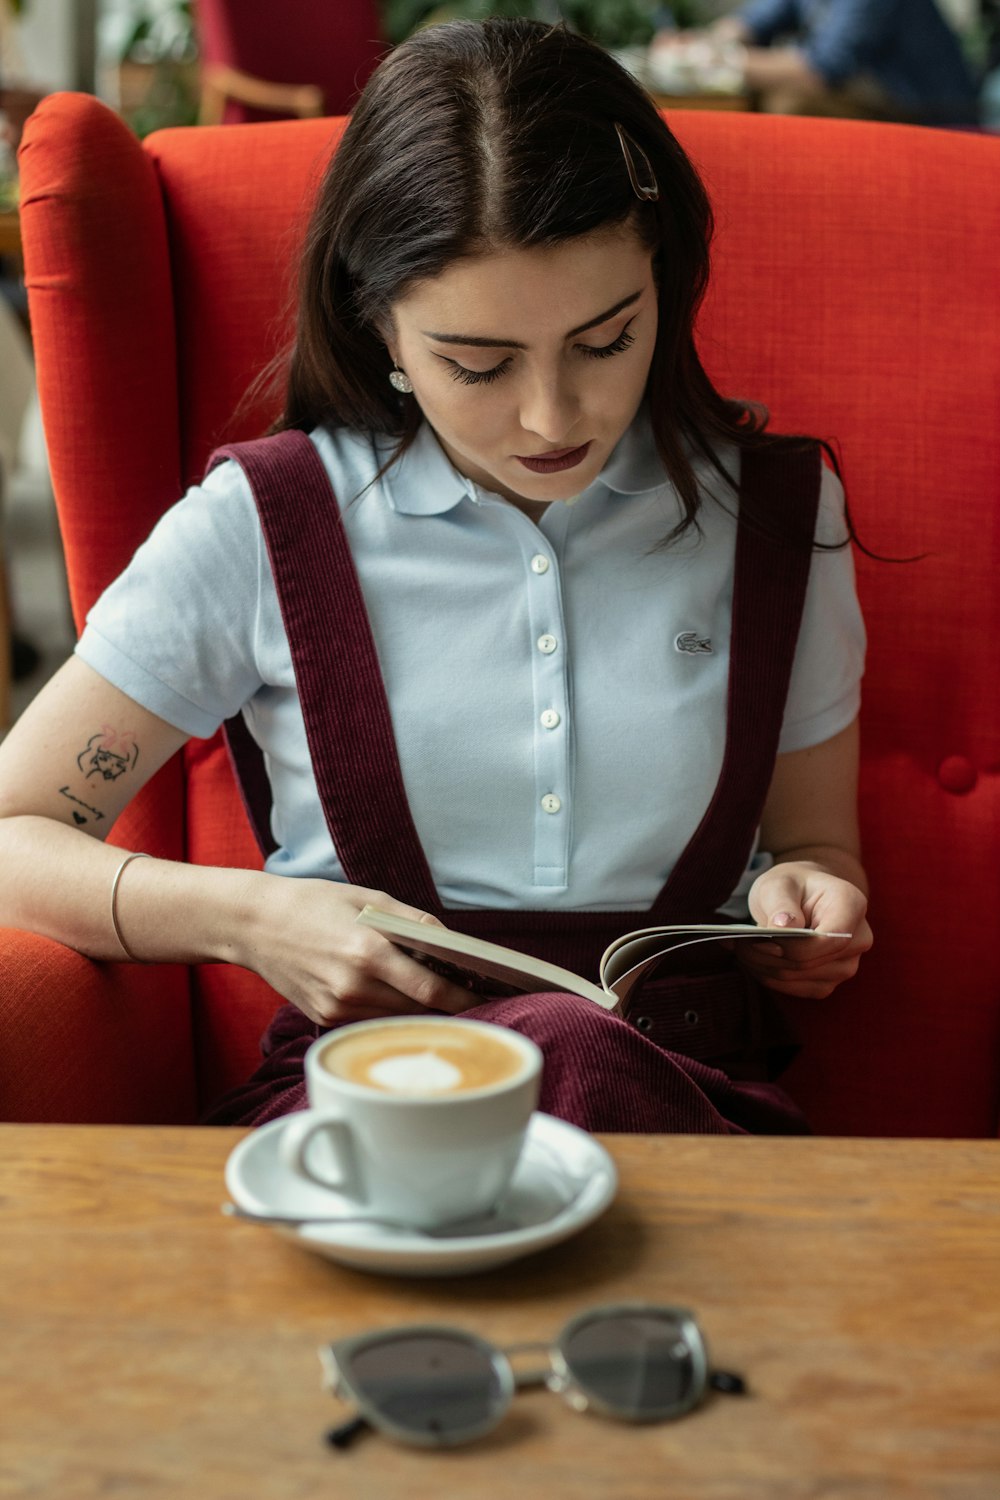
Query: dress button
{"points": [[547, 644], [957, 774], [551, 803], [550, 719], [539, 564], [643, 1023]]}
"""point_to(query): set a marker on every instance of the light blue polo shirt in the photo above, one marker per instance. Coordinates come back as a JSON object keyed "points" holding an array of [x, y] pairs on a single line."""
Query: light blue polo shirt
{"points": [[559, 739]]}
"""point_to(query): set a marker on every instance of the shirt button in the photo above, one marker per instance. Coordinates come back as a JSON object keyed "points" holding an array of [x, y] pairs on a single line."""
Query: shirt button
{"points": [[551, 803], [547, 644], [550, 719], [539, 564]]}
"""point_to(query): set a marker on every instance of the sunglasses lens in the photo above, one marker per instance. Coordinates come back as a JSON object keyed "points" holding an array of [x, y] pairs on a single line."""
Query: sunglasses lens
{"points": [[435, 1387], [637, 1364]]}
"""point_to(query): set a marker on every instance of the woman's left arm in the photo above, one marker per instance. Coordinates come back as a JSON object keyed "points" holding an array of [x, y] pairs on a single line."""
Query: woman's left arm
{"points": [[810, 825]]}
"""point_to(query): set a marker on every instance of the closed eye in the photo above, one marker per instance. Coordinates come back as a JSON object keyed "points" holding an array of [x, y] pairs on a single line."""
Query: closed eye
{"points": [[476, 377], [617, 346], [486, 377]]}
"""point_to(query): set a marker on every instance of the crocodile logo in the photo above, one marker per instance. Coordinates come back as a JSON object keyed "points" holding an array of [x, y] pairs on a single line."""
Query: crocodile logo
{"points": [[693, 644]]}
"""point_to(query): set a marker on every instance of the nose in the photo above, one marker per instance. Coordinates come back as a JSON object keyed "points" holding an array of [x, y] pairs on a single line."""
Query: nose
{"points": [[550, 409]]}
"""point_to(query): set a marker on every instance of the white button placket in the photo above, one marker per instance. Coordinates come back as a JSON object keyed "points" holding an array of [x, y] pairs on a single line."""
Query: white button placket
{"points": [[550, 674]]}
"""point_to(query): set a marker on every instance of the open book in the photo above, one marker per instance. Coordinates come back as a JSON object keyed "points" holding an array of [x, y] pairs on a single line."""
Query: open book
{"points": [[491, 970]]}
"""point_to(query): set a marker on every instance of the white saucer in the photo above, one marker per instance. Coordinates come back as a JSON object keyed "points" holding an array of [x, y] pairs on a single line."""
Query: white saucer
{"points": [[564, 1180]]}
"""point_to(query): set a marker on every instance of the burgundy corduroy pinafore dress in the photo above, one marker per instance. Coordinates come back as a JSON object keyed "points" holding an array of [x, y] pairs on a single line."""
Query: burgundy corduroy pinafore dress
{"points": [[693, 1053]]}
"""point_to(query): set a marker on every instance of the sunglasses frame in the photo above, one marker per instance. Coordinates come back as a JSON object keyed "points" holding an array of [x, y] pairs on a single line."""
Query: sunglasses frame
{"points": [[582, 1398], [336, 1361], [559, 1376]]}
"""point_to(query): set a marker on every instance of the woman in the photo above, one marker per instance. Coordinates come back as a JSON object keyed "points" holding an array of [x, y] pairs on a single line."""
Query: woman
{"points": [[572, 642]]}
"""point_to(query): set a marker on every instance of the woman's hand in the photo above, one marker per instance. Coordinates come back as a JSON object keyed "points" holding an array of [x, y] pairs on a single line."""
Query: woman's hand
{"points": [[302, 938], [803, 894], [810, 824]]}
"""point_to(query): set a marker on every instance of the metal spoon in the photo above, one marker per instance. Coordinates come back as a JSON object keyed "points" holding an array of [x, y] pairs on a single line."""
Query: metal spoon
{"points": [[490, 1223]]}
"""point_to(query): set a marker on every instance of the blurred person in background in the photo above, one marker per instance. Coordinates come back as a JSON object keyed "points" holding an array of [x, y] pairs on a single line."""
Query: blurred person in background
{"points": [[870, 59]]}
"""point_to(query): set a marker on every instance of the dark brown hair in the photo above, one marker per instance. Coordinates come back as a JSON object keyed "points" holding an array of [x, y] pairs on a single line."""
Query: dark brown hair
{"points": [[478, 136]]}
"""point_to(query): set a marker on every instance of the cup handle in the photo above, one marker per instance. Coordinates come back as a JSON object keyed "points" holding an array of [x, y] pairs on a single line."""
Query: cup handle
{"points": [[293, 1148]]}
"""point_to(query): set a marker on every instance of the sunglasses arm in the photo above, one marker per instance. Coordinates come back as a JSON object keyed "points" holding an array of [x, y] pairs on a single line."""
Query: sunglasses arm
{"points": [[348, 1432]]}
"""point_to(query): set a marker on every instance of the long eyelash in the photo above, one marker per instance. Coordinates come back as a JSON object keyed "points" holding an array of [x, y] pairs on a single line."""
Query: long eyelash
{"points": [[486, 377], [477, 377], [621, 343]]}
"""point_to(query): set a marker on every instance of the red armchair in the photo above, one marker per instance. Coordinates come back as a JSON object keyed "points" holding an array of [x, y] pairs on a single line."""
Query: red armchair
{"points": [[855, 293], [301, 59]]}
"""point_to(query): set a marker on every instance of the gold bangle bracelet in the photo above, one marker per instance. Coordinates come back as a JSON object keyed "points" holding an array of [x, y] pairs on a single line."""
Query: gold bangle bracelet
{"points": [[114, 907]]}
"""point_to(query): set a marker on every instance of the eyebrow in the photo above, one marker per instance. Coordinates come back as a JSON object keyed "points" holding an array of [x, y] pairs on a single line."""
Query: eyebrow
{"points": [[481, 343]]}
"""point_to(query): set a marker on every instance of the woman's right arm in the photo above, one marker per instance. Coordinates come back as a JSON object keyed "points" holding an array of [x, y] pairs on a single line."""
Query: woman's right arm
{"points": [[69, 767]]}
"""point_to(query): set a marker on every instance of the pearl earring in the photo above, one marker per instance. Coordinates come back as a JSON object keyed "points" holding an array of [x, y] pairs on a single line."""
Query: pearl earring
{"points": [[401, 382]]}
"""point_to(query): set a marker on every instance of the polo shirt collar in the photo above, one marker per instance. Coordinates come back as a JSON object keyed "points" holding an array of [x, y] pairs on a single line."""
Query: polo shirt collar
{"points": [[635, 467], [424, 482]]}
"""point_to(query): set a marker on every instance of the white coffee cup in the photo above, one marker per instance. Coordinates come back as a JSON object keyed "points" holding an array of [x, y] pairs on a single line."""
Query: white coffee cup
{"points": [[419, 1119]]}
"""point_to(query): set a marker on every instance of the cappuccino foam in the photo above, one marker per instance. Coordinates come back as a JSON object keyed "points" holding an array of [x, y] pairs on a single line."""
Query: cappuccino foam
{"points": [[415, 1073], [416, 1060]]}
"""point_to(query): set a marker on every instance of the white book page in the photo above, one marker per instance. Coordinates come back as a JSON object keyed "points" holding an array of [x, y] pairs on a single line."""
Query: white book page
{"points": [[627, 960]]}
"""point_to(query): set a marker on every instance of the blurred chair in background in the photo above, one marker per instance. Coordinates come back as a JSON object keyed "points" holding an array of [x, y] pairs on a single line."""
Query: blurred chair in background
{"points": [[300, 59]]}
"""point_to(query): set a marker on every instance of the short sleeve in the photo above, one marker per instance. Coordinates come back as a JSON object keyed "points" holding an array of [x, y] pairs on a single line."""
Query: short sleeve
{"points": [[824, 694], [177, 629]]}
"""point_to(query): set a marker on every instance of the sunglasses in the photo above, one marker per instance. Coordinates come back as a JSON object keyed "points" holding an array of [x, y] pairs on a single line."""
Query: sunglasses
{"points": [[438, 1387]]}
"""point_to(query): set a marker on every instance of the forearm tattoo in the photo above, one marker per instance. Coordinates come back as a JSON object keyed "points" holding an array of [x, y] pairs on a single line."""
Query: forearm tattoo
{"points": [[105, 757], [82, 812]]}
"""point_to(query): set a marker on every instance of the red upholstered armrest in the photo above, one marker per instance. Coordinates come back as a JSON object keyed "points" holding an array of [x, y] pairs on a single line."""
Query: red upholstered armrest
{"points": [[88, 1042]]}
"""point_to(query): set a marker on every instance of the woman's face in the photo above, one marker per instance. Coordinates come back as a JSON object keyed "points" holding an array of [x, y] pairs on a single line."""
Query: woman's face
{"points": [[530, 364]]}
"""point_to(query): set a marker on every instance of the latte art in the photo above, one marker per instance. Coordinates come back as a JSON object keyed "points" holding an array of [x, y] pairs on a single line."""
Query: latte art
{"points": [[415, 1073], [422, 1059]]}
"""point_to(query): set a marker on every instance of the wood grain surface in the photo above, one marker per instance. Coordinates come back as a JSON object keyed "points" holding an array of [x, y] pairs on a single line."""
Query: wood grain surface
{"points": [[151, 1348]]}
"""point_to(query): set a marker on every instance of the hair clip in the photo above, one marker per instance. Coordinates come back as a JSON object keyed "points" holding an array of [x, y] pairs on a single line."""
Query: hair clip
{"points": [[648, 192]]}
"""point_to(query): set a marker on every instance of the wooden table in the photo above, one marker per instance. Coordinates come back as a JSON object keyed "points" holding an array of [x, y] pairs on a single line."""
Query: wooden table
{"points": [[150, 1347]]}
